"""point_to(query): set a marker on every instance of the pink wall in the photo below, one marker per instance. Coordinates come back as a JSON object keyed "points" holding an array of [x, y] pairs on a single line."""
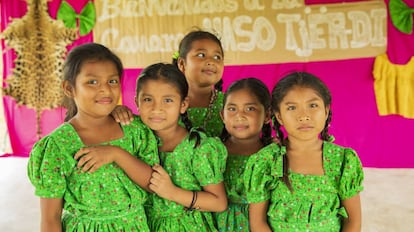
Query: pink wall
{"points": [[21, 121], [381, 141]]}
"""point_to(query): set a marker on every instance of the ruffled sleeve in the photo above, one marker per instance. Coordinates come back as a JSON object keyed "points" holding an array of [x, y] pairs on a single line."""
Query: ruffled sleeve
{"points": [[209, 161], [48, 166], [145, 142], [352, 175], [262, 171]]}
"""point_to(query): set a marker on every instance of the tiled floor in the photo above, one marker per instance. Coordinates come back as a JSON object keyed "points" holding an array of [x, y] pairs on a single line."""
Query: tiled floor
{"points": [[387, 201]]}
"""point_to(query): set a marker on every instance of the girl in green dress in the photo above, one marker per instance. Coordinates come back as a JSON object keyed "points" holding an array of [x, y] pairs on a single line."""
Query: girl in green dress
{"points": [[188, 183], [104, 200], [200, 58], [308, 183], [247, 131]]}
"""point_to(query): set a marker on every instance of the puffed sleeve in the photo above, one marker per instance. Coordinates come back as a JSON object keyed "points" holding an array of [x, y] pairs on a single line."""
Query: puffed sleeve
{"points": [[262, 172], [47, 168], [209, 161], [352, 175], [145, 142]]}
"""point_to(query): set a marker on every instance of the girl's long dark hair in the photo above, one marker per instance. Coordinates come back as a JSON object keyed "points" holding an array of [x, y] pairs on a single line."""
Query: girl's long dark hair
{"points": [[257, 88], [288, 82], [73, 65]]}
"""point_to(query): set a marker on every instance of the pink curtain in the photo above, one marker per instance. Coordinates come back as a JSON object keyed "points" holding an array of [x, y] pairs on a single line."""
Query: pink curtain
{"points": [[381, 141], [21, 121]]}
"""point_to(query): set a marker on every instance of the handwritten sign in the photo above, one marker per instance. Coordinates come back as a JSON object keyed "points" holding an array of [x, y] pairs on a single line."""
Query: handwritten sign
{"points": [[142, 32]]}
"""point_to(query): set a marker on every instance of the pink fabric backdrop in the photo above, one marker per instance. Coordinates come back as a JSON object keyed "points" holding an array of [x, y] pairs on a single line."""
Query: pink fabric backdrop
{"points": [[381, 141], [21, 121]]}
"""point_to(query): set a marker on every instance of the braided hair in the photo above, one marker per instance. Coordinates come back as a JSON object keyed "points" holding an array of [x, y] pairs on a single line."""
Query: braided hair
{"points": [[288, 82], [257, 88]]}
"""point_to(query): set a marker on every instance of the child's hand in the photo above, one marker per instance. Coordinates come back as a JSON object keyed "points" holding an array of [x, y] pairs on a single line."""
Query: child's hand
{"points": [[92, 158], [123, 115], [161, 183]]}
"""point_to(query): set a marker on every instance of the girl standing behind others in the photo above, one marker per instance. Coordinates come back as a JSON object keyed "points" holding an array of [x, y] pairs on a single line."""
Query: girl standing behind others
{"points": [[246, 116], [200, 57], [189, 182], [310, 184], [105, 200]]}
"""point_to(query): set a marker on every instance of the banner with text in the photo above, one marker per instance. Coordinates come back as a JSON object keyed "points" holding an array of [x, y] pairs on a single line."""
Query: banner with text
{"points": [[142, 32]]}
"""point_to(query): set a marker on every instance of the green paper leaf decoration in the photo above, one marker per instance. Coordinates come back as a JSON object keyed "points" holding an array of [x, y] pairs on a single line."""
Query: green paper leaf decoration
{"points": [[401, 16], [87, 17]]}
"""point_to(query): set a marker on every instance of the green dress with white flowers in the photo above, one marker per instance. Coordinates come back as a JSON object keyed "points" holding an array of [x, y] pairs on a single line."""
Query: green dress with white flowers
{"points": [[189, 168], [236, 217], [315, 203], [105, 200], [208, 118]]}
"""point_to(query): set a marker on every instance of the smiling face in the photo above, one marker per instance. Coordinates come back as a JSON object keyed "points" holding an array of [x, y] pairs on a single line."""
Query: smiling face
{"points": [[160, 105], [302, 113], [243, 115], [97, 89], [203, 66]]}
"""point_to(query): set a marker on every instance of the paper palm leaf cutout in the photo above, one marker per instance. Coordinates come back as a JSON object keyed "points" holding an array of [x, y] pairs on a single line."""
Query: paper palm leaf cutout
{"points": [[401, 16], [87, 17]]}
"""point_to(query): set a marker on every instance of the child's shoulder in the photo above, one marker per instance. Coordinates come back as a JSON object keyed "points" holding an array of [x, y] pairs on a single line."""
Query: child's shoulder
{"points": [[268, 154], [62, 137], [204, 141], [136, 123], [266, 162], [64, 130], [138, 130], [204, 137], [137, 120], [336, 157], [337, 151], [273, 148]]}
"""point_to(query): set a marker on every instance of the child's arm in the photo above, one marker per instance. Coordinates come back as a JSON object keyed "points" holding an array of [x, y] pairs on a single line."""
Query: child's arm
{"points": [[122, 114], [51, 214], [353, 208], [349, 189], [258, 217], [92, 158], [212, 199]]}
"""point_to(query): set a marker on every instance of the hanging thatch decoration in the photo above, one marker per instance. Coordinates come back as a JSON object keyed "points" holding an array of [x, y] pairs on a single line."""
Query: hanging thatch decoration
{"points": [[40, 45]]}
